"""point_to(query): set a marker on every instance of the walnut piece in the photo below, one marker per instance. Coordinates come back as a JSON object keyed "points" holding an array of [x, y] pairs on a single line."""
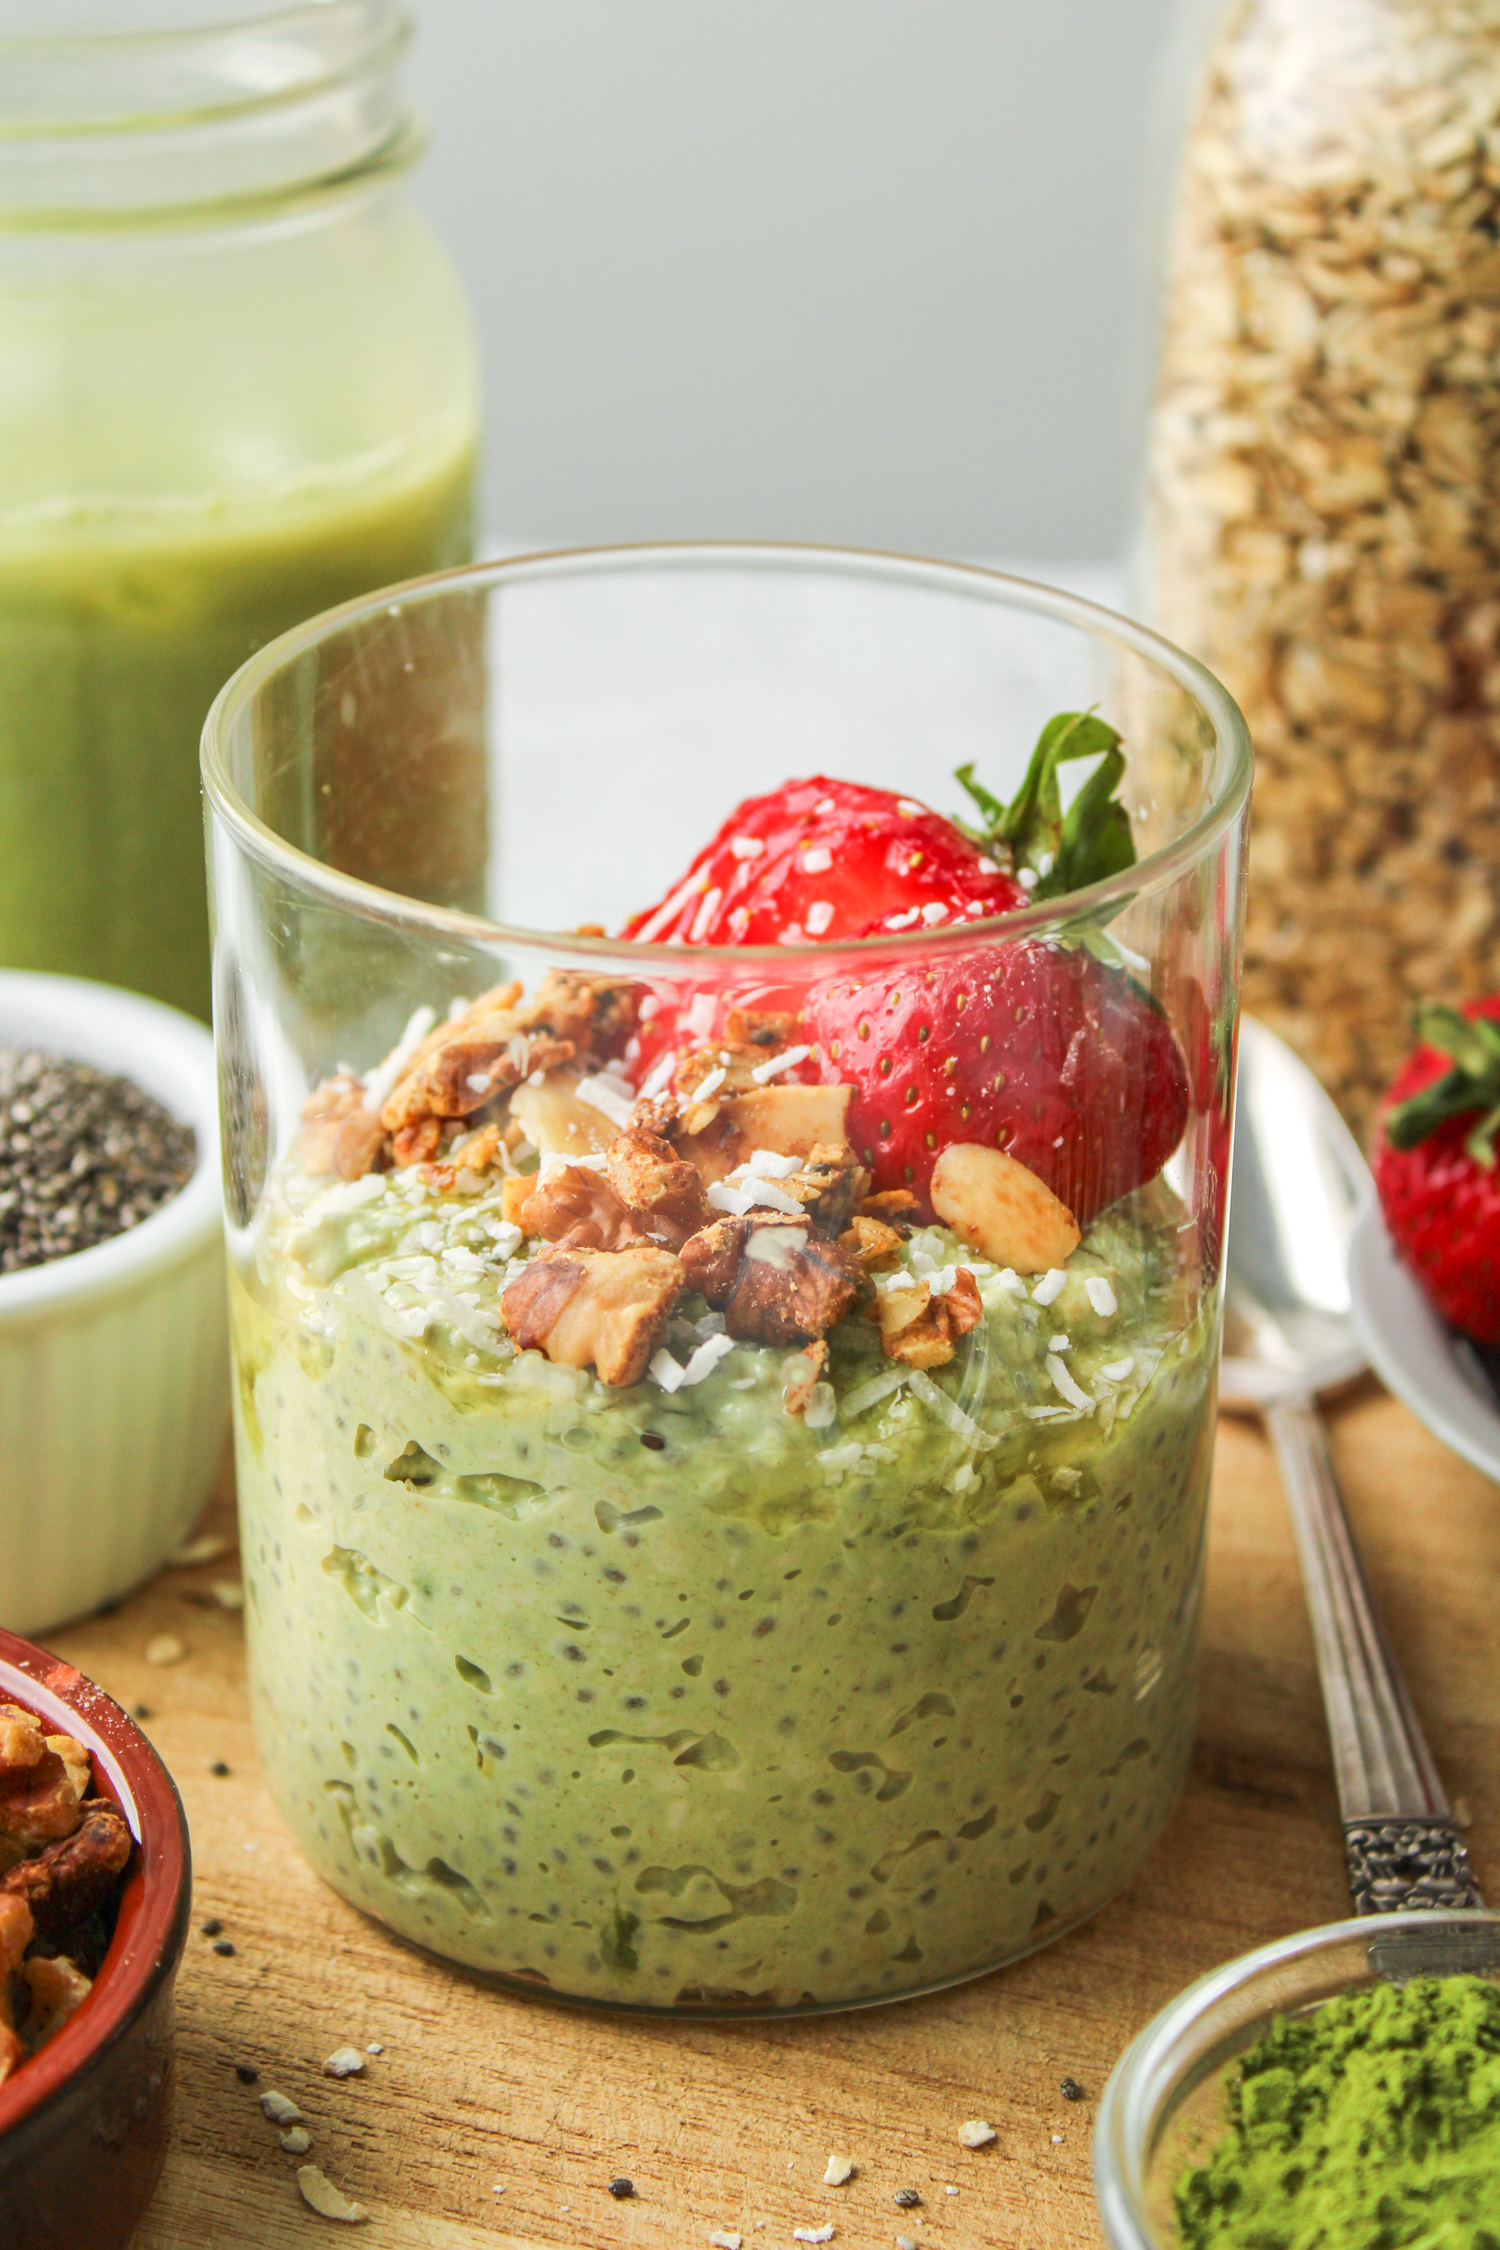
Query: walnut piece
{"points": [[16, 1933], [57, 1987], [22, 1742], [871, 1242], [326, 1111], [1001, 1209], [776, 1282], [575, 1207], [764, 1028], [829, 1186], [593, 1015], [465, 1073], [39, 1803], [605, 1309], [472, 1153], [652, 1180], [921, 1330], [67, 1879]]}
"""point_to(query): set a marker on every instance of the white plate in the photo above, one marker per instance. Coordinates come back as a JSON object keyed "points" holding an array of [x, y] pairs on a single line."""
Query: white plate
{"points": [[1429, 1368]]}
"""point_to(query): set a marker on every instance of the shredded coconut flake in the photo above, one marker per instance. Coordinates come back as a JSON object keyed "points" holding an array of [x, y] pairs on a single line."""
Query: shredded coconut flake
{"points": [[753, 1195], [280, 2108], [817, 859], [1050, 1286], [813, 2234], [934, 912], [669, 907], [1118, 1369], [764, 1072], [385, 1075], [705, 1359], [840, 2171], [607, 1096], [722, 2239], [975, 2133], [705, 915], [819, 915], [701, 1010], [344, 2062], [746, 847], [953, 1417], [909, 809], [1101, 1296], [659, 1077], [767, 1164], [1065, 1381], [667, 1371], [706, 1091]]}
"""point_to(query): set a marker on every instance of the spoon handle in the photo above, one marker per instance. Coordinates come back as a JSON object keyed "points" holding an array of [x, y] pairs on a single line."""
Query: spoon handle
{"points": [[1402, 1844]]}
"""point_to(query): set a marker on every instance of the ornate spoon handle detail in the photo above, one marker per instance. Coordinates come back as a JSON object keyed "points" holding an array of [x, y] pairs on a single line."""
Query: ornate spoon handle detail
{"points": [[1402, 1844]]}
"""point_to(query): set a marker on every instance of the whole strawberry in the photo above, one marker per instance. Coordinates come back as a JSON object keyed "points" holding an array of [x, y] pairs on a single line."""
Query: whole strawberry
{"points": [[1032, 1047], [1434, 1164]]}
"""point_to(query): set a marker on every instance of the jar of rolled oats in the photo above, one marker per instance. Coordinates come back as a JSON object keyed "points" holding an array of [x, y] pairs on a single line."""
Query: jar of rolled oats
{"points": [[1324, 477]]}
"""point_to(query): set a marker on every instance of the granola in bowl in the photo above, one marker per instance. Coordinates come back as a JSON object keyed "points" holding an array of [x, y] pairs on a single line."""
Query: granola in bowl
{"points": [[64, 1848]]}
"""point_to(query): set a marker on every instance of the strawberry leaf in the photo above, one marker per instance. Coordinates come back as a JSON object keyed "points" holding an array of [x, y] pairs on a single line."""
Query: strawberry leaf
{"points": [[1473, 1083], [1064, 851]]}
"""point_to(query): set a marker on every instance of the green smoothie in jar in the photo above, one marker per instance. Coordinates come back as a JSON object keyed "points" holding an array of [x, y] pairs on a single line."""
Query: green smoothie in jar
{"points": [[236, 387]]}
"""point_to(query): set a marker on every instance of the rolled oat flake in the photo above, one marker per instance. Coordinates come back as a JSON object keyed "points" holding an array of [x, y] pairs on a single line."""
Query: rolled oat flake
{"points": [[83, 1156]]}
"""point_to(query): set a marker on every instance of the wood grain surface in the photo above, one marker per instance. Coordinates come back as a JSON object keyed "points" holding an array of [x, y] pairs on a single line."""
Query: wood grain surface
{"points": [[730, 2127]]}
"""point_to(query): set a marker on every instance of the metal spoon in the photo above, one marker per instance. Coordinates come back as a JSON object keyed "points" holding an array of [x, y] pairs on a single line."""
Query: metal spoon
{"points": [[1298, 1181]]}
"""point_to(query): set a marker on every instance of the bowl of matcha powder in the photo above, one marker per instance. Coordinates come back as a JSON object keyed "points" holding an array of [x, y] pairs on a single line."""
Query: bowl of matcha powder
{"points": [[1339, 2090]]}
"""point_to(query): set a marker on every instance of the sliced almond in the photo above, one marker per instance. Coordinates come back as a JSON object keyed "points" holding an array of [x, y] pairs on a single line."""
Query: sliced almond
{"points": [[556, 1122], [1001, 1209]]}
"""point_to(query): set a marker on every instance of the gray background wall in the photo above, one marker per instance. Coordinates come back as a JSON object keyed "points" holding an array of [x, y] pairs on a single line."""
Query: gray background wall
{"points": [[865, 270]]}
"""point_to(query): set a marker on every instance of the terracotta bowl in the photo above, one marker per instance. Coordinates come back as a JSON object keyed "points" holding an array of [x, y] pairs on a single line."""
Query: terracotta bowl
{"points": [[83, 2124]]}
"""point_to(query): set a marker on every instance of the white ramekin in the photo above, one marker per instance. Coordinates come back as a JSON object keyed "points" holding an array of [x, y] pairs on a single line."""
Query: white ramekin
{"points": [[114, 1363]]}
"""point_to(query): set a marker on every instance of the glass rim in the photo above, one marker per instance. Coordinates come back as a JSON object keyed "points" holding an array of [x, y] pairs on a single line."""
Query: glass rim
{"points": [[968, 580], [1150, 2063], [114, 128], [359, 31]]}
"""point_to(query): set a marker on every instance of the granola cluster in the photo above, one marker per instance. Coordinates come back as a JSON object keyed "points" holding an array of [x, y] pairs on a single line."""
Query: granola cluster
{"points": [[62, 1852], [729, 1182], [1325, 461]]}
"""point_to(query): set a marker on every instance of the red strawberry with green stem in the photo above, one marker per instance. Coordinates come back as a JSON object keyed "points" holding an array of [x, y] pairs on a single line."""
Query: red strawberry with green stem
{"points": [[1434, 1164], [1034, 1046]]}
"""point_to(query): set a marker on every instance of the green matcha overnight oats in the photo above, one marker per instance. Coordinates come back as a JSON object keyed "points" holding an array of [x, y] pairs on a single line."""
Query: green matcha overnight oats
{"points": [[667, 1697], [725, 1409]]}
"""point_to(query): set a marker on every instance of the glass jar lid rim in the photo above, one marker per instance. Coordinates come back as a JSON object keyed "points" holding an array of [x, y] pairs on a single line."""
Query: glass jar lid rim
{"points": [[1096, 903], [238, 107]]}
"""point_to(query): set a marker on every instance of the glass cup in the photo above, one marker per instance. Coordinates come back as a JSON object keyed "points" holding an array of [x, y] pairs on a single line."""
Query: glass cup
{"points": [[670, 1583], [1163, 2107]]}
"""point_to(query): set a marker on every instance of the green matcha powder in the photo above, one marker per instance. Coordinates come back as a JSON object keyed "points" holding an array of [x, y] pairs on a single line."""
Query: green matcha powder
{"points": [[1371, 2124]]}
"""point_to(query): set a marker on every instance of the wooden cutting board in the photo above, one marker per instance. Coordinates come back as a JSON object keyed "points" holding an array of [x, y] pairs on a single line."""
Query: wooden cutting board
{"points": [[730, 2128]]}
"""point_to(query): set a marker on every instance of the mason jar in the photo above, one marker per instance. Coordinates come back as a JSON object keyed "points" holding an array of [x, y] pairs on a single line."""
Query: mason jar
{"points": [[237, 384], [1324, 476], [676, 1625]]}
